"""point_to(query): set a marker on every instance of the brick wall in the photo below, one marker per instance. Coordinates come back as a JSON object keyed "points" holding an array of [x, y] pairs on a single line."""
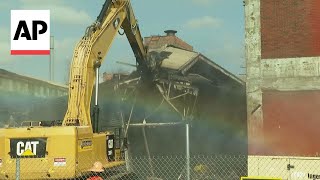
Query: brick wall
{"points": [[291, 121], [290, 28], [282, 93]]}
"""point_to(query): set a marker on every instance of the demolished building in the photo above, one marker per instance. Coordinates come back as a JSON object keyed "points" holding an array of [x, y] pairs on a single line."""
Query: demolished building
{"points": [[188, 87]]}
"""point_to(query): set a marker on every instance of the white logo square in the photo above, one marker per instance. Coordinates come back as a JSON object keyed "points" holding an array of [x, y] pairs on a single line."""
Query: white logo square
{"points": [[30, 32]]}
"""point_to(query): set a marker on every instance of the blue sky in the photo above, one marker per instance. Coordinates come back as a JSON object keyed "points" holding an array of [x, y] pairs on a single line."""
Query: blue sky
{"points": [[214, 28]]}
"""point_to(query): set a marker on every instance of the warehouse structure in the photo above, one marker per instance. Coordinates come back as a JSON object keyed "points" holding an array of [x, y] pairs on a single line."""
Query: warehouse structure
{"points": [[24, 85], [20, 94]]}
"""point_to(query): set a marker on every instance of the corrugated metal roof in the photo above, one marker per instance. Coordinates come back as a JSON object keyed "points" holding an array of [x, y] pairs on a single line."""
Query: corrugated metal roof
{"points": [[5, 73], [178, 58]]}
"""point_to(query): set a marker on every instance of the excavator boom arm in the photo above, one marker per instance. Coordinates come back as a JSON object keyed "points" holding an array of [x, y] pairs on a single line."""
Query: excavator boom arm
{"points": [[90, 53]]}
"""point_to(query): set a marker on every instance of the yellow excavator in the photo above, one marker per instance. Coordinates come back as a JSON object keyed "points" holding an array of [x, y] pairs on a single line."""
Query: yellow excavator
{"points": [[68, 150]]}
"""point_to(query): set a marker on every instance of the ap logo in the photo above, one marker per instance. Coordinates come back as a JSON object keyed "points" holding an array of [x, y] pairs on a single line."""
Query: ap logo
{"points": [[30, 32]]}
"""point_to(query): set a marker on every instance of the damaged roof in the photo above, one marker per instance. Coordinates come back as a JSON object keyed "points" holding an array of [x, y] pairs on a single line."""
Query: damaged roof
{"points": [[185, 62], [178, 58]]}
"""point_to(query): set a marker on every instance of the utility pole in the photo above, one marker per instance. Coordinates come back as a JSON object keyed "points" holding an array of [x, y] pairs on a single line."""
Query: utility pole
{"points": [[51, 64]]}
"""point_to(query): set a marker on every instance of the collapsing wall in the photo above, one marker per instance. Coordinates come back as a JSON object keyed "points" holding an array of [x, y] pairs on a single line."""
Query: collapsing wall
{"points": [[282, 54], [218, 123]]}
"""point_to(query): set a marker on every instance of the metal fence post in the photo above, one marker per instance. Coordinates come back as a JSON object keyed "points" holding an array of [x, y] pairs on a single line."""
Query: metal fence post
{"points": [[187, 151], [127, 160], [18, 169]]}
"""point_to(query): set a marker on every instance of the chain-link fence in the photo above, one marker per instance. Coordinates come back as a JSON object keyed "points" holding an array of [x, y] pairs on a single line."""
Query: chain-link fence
{"points": [[200, 167], [160, 167], [215, 167]]}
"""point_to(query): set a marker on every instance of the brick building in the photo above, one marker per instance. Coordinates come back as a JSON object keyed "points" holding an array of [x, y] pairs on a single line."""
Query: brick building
{"points": [[282, 55], [156, 42]]}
